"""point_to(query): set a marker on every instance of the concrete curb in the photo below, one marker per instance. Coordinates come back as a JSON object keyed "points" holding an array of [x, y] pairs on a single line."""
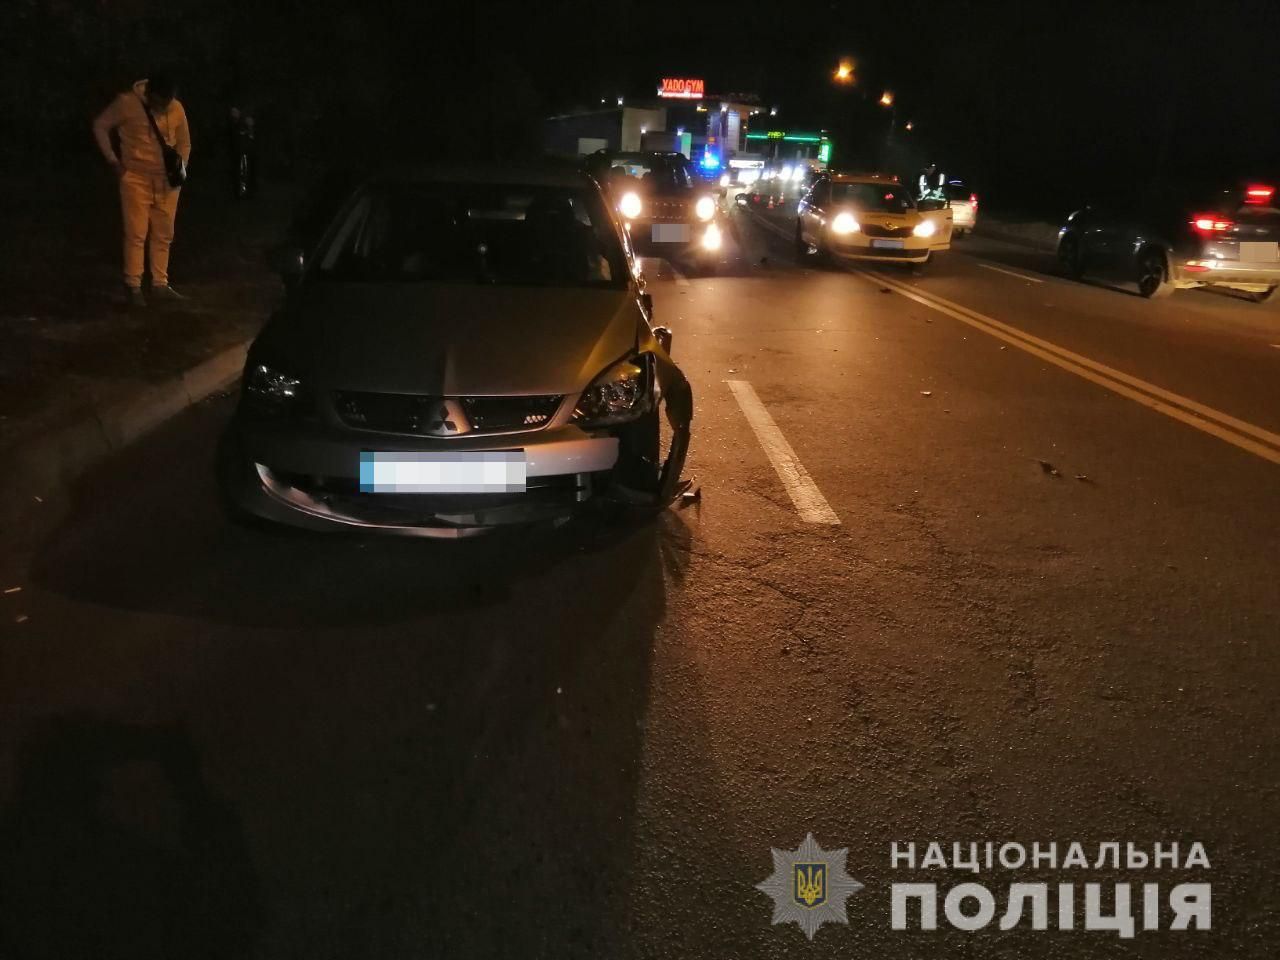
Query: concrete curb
{"points": [[54, 461]]}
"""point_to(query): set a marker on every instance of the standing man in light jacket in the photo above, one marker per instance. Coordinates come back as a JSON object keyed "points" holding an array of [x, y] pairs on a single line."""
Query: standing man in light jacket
{"points": [[147, 202]]}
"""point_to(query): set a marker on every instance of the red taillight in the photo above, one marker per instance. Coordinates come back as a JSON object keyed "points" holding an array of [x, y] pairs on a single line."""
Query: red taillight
{"points": [[1210, 223], [973, 199], [1258, 193]]}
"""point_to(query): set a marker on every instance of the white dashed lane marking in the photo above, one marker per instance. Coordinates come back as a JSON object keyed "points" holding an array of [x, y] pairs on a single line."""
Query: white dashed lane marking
{"points": [[804, 493]]}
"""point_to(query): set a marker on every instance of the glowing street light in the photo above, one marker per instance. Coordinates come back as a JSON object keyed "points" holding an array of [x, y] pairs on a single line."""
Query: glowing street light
{"points": [[886, 99], [844, 71], [910, 125]]}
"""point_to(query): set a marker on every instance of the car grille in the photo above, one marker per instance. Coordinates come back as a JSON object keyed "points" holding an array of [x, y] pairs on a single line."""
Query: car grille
{"points": [[663, 210], [424, 415], [874, 230]]}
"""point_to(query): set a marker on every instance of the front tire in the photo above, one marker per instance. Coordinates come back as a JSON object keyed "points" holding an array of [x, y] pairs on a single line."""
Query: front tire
{"points": [[1071, 256], [806, 253], [1153, 275]]}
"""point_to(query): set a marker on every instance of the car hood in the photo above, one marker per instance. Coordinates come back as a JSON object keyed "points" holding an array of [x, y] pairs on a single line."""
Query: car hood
{"points": [[462, 340]]}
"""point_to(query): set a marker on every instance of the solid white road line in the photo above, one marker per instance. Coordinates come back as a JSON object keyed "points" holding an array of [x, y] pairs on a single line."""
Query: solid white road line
{"points": [[1010, 273], [804, 493], [1240, 433]]}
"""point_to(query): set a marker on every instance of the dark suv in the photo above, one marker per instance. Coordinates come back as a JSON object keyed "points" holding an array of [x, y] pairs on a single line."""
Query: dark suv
{"points": [[667, 211], [1178, 239]]}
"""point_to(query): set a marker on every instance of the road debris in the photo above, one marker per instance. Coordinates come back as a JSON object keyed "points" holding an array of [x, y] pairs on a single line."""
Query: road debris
{"points": [[21, 618], [926, 393], [1048, 467], [13, 590], [1084, 478]]}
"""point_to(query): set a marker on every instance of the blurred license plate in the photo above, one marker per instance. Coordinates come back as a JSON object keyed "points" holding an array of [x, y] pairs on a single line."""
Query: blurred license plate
{"points": [[1255, 252], [670, 233], [463, 472], [887, 244]]}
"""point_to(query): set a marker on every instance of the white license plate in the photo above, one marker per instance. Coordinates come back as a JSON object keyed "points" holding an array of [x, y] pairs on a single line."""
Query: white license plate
{"points": [[887, 244], [670, 233], [1251, 252], [463, 472]]}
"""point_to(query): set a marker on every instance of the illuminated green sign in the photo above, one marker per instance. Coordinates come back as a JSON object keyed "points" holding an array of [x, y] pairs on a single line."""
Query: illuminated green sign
{"points": [[789, 137]]}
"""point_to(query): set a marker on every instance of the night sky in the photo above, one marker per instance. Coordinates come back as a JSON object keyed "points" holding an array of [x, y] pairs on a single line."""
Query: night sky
{"points": [[1036, 104]]}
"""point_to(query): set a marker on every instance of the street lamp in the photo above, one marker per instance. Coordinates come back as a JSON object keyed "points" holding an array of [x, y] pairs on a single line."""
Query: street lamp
{"points": [[844, 72], [910, 125], [886, 100]]}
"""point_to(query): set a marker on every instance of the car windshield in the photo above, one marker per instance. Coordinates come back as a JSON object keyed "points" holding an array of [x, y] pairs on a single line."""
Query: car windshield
{"points": [[958, 191], [654, 172], [873, 197], [497, 234]]}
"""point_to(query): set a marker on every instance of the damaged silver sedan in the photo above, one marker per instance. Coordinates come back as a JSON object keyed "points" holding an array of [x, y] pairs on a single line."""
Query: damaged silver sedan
{"points": [[461, 350]]}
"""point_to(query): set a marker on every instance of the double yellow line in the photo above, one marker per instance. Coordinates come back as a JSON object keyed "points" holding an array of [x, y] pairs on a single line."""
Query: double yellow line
{"points": [[1246, 436]]}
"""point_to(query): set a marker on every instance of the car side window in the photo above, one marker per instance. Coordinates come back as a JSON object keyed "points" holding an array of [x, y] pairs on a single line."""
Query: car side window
{"points": [[820, 194]]}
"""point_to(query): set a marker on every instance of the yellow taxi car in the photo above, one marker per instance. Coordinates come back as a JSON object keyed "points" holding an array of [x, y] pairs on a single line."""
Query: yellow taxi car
{"points": [[870, 216]]}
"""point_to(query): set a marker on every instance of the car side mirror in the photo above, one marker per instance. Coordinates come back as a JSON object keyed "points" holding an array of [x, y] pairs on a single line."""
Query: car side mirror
{"points": [[663, 336], [290, 263]]}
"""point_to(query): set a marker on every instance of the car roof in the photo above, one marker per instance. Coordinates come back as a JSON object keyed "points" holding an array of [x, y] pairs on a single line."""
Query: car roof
{"points": [[548, 173], [864, 178]]}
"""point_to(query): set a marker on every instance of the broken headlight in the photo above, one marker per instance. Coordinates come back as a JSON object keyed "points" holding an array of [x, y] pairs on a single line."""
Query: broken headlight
{"points": [[621, 393]]}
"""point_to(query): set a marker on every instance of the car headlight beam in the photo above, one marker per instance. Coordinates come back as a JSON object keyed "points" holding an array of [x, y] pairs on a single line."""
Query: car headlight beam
{"points": [[630, 206], [845, 223], [705, 208]]}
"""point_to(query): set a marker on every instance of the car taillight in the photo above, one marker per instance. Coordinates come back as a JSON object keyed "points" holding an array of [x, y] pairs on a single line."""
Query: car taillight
{"points": [[973, 199], [1210, 223], [1257, 193]]}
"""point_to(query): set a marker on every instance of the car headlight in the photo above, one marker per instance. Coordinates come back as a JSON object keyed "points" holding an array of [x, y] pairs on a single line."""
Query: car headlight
{"points": [[705, 208], [925, 228], [845, 223], [630, 205], [618, 395], [270, 384]]}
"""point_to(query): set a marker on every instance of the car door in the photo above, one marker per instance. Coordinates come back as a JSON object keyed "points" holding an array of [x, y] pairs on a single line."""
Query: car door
{"points": [[1108, 237]]}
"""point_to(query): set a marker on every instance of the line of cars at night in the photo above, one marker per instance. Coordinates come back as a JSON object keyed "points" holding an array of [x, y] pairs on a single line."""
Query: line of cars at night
{"points": [[462, 349]]}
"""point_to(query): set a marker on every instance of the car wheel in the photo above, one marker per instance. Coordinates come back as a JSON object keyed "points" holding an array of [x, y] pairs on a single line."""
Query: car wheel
{"points": [[1153, 275], [806, 253], [1071, 257], [1265, 296]]}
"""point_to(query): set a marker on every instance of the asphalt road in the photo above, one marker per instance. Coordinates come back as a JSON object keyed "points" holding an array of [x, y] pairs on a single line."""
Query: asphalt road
{"points": [[1048, 612]]}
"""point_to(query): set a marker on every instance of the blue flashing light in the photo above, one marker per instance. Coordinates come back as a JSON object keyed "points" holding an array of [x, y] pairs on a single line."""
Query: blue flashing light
{"points": [[710, 161]]}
